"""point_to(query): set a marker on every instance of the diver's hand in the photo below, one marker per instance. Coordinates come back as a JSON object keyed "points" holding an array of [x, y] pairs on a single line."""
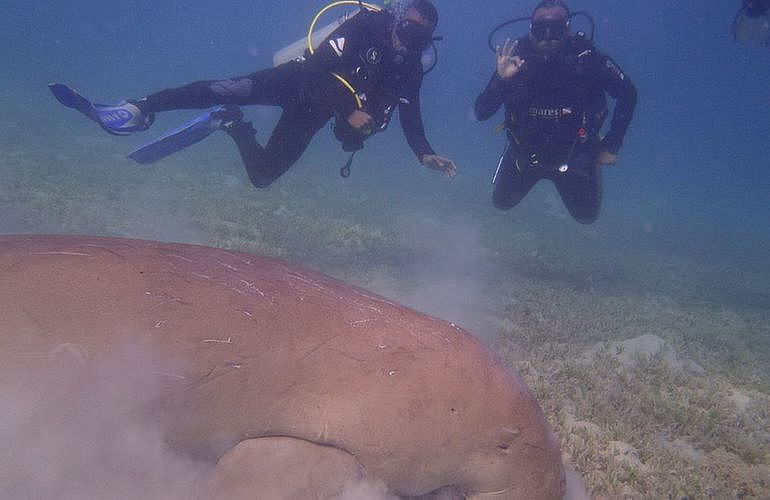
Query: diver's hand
{"points": [[361, 121], [508, 64], [437, 162], [607, 158]]}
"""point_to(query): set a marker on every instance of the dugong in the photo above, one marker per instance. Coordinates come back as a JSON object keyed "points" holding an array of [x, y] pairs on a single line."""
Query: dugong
{"points": [[293, 383]]}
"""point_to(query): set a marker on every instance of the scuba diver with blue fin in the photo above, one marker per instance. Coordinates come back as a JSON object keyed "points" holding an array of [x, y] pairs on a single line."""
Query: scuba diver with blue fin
{"points": [[752, 22], [366, 67], [553, 85]]}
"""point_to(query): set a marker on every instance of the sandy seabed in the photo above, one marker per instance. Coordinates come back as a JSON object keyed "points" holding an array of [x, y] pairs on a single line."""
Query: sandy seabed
{"points": [[651, 365]]}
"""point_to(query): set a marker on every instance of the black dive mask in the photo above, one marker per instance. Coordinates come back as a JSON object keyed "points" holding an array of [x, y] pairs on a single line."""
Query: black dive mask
{"points": [[414, 36], [549, 30]]}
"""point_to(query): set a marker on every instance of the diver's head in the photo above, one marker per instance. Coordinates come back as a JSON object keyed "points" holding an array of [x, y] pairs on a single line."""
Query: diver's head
{"points": [[752, 23], [413, 30], [550, 26], [755, 8]]}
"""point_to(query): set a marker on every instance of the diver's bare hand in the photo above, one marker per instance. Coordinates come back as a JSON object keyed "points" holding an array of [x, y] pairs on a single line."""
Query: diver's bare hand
{"points": [[607, 158], [508, 64], [361, 121], [437, 162]]}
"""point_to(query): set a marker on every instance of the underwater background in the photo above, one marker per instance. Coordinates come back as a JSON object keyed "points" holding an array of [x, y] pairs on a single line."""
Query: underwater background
{"points": [[646, 336]]}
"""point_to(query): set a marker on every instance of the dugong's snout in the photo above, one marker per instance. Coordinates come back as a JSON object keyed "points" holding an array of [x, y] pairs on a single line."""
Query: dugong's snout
{"points": [[492, 495], [525, 464], [516, 492], [498, 495], [572, 487]]}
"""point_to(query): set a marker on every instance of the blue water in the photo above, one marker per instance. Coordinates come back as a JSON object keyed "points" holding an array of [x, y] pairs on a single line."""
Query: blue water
{"points": [[683, 242], [693, 179]]}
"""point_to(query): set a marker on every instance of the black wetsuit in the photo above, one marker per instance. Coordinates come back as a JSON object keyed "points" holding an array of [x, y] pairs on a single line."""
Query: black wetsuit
{"points": [[554, 110], [361, 52]]}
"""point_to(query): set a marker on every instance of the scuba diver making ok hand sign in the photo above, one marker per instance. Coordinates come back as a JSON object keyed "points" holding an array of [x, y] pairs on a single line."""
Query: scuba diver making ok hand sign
{"points": [[553, 86]]}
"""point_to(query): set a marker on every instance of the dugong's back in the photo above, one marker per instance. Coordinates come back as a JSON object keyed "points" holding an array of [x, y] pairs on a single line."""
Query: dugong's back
{"points": [[243, 347]]}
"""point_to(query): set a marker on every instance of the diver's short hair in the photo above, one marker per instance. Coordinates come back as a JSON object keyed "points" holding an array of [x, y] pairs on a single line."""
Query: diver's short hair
{"points": [[427, 10], [547, 4]]}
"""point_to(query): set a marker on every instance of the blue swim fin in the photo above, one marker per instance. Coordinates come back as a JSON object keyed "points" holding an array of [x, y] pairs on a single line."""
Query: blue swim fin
{"points": [[121, 119], [172, 141]]}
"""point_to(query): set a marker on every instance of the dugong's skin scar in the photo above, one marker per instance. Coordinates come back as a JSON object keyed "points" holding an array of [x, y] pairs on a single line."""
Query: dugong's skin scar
{"points": [[79, 254]]}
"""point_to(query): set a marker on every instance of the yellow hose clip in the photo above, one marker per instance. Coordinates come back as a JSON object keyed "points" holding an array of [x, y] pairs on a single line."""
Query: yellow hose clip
{"points": [[333, 5], [347, 85], [310, 48]]}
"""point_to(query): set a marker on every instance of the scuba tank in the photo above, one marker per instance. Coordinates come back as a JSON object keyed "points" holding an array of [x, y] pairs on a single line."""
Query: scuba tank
{"points": [[296, 50], [311, 42]]}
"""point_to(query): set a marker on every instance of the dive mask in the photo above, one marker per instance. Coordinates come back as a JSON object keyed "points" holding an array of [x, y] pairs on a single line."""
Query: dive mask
{"points": [[549, 30], [414, 36]]}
